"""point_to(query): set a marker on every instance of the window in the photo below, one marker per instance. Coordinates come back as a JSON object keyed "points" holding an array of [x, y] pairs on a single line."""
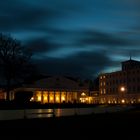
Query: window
{"points": [[101, 91], [101, 84], [104, 91]]}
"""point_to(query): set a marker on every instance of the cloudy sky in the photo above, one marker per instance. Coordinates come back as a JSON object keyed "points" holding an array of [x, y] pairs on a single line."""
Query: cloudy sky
{"points": [[75, 37]]}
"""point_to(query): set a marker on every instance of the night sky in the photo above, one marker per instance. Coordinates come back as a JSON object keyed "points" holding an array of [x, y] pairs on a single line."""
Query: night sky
{"points": [[75, 37]]}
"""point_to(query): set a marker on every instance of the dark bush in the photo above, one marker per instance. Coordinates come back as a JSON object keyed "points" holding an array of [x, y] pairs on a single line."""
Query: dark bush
{"points": [[23, 96]]}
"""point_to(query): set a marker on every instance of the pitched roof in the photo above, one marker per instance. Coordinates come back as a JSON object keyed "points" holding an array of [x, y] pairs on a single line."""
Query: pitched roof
{"points": [[57, 82]]}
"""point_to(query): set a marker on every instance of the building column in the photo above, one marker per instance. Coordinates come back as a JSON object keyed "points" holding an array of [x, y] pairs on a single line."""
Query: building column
{"points": [[66, 97], [48, 96], [54, 96], [11, 95], [34, 95], [42, 99], [60, 96]]}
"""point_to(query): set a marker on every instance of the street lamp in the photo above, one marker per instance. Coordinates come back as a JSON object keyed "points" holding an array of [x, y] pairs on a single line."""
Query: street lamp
{"points": [[122, 89]]}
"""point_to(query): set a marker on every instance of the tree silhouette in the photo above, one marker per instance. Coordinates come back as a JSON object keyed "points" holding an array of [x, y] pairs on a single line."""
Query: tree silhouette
{"points": [[23, 96], [14, 62]]}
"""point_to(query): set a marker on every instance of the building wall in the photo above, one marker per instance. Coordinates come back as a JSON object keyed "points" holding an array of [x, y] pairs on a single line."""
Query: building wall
{"points": [[55, 96], [121, 86], [2, 95], [111, 83], [57, 89]]}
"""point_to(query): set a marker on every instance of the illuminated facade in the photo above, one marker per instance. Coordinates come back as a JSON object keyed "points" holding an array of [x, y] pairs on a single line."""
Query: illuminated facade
{"points": [[58, 89], [121, 86]]}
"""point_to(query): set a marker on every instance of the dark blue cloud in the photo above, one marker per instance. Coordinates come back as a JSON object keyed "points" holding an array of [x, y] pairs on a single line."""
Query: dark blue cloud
{"points": [[76, 37], [80, 65]]}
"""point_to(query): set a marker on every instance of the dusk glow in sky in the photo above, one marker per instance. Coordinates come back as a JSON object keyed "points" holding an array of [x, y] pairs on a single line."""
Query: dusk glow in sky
{"points": [[75, 37]]}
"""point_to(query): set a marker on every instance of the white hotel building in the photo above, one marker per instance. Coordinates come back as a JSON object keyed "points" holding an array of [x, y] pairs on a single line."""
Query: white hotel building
{"points": [[121, 86]]}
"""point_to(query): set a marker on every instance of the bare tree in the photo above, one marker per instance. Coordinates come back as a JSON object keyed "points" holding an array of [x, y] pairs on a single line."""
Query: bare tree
{"points": [[14, 62]]}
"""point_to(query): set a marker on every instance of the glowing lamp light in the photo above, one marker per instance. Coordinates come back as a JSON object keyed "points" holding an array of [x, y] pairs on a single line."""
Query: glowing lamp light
{"points": [[109, 102], [57, 98], [32, 99], [83, 94], [123, 101], [45, 98], [39, 98], [122, 89], [51, 98], [63, 98]]}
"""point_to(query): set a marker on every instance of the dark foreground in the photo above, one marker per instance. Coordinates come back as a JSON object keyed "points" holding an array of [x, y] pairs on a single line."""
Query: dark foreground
{"points": [[108, 126]]}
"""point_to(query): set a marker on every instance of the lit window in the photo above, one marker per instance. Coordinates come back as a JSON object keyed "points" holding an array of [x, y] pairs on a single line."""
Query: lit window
{"points": [[115, 102], [132, 101], [104, 91], [63, 98], [104, 83], [123, 101], [101, 91], [101, 77], [39, 98], [109, 102], [57, 98], [45, 97], [51, 98], [101, 83], [104, 76]]}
